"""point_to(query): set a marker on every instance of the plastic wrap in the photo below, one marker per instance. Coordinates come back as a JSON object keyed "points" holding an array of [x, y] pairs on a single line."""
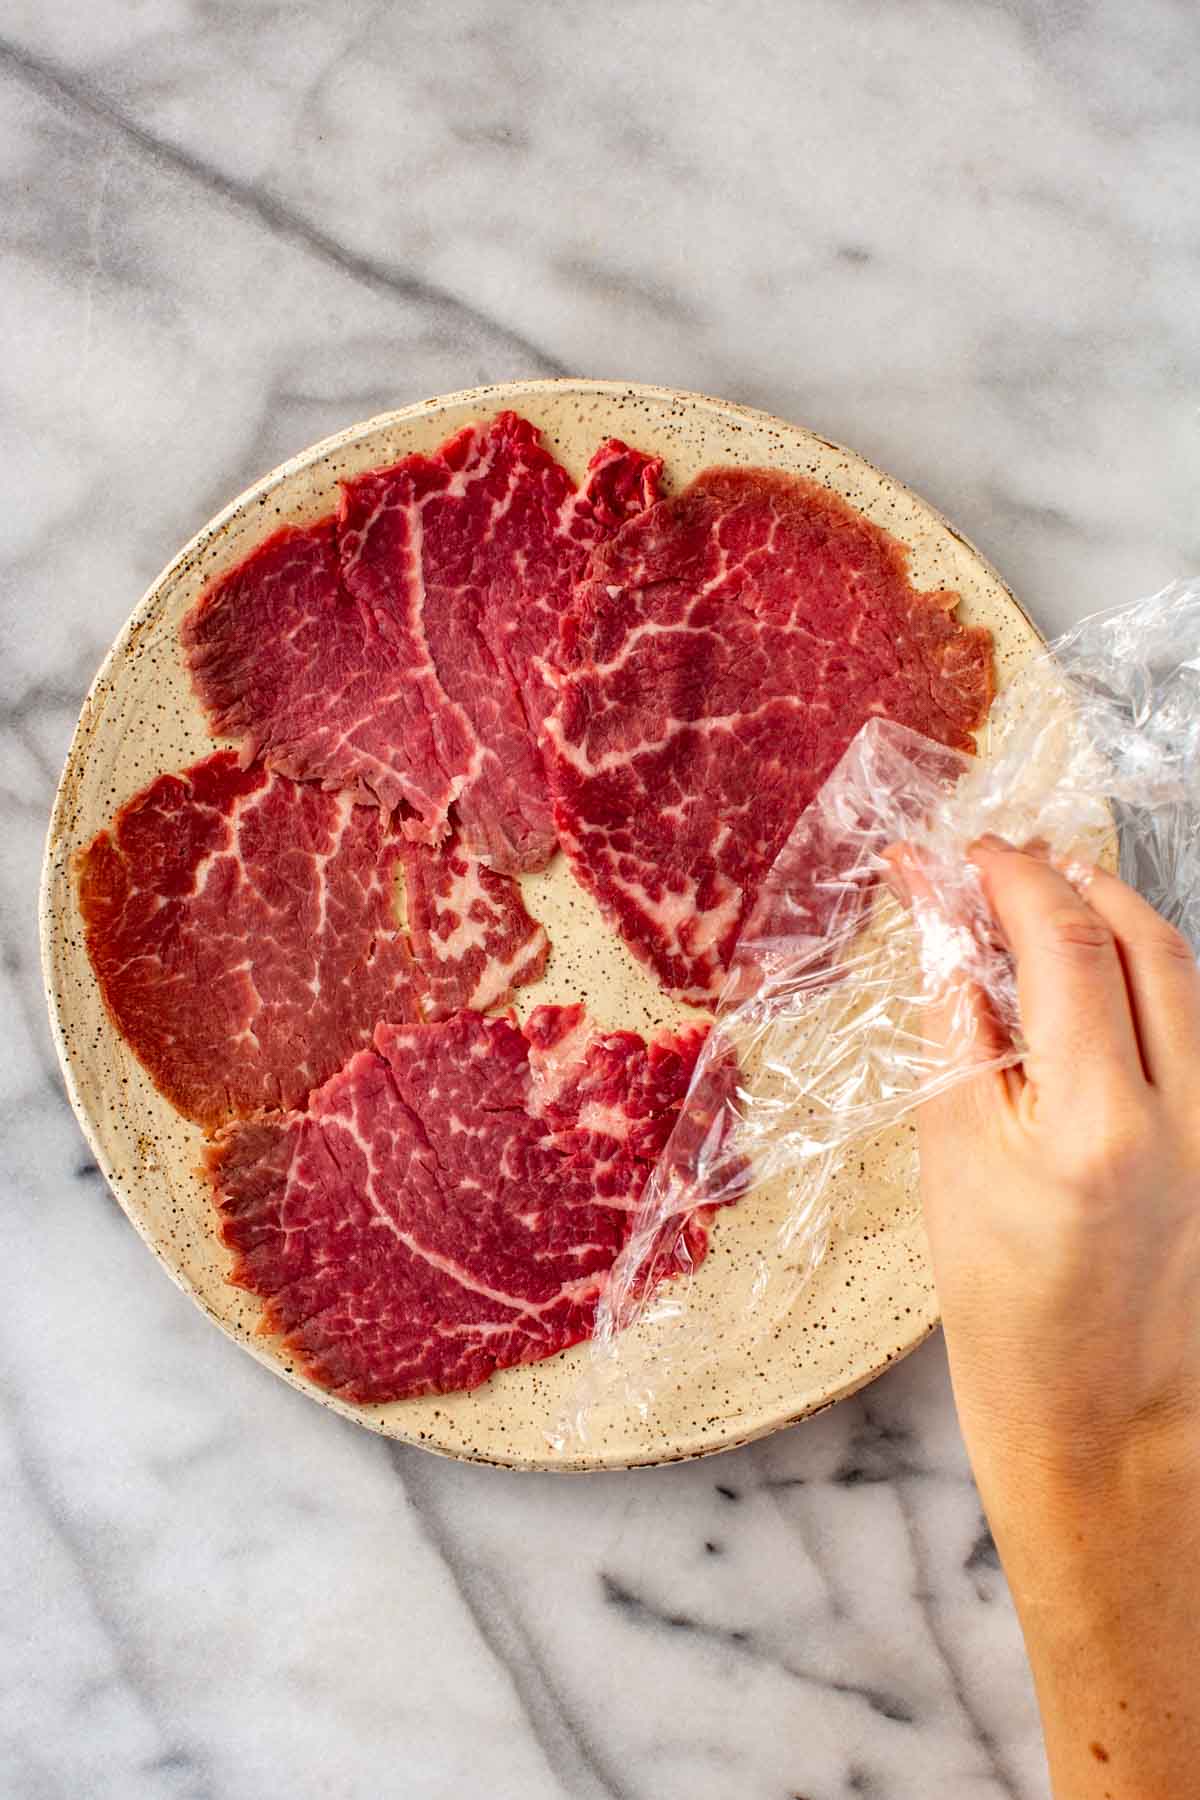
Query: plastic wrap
{"points": [[819, 1046]]}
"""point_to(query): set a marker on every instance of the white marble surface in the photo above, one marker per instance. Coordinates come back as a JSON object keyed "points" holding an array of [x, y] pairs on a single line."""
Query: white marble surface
{"points": [[963, 238]]}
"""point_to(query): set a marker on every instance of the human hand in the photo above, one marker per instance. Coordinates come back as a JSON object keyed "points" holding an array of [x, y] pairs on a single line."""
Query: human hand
{"points": [[1062, 1202]]}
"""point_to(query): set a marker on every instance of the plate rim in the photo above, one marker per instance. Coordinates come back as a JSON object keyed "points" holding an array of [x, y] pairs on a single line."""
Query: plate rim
{"points": [[493, 396]]}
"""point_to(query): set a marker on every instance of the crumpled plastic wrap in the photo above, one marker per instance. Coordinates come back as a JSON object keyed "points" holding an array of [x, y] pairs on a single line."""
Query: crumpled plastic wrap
{"points": [[819, 1042]]}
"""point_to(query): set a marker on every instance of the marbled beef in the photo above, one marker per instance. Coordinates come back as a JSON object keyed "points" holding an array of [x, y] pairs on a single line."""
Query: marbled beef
{"points": [[719, 655], [396, 652], [243, 931], [452, 1201]]}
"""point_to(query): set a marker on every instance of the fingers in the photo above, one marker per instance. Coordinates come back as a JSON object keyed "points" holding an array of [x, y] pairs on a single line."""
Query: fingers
{"points": [[962, 1027], [958, 1022], [1162, 978], [1108, 989], [1075, 1005]]}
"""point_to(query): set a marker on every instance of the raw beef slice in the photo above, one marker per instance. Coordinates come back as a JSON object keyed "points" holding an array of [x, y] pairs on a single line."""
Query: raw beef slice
{"points": [[397, 652], [282, 657], [452, 1201], [243, 933], [469, 930], [720, 654]]}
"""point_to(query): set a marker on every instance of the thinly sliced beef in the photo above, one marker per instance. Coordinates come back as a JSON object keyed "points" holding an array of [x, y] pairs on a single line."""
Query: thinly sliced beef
{"points": [[282, 658], [451, 1202], [720, 654], [243, 932], [465, 560], [397, 652], [471, 934]]}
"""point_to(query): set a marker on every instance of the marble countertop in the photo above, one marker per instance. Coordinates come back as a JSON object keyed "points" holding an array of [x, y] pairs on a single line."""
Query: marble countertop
{"points": [[960, 237]]}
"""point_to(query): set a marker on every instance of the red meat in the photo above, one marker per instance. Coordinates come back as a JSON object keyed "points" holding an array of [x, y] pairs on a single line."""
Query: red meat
{"points": [[720, 654], [396, 653], [242, 929], [451, 1202], [469, 929]]}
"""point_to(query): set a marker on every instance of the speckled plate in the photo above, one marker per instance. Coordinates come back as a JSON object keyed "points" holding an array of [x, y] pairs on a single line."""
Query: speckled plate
{"points": [[871, 1301]]}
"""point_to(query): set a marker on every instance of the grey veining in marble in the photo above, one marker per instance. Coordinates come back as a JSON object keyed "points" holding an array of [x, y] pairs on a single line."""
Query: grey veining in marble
{"points": [[961, 237]]}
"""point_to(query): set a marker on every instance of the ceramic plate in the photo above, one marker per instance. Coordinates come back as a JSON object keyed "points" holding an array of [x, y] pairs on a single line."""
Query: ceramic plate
{"points": [[871, 1301]]}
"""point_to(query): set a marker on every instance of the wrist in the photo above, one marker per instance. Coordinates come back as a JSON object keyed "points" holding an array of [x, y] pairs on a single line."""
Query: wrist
{"points": [[1103, 1560], [1054, 1437], [1085, 1523]]}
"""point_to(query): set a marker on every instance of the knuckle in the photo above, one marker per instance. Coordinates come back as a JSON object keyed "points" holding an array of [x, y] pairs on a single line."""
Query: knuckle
{"points": [[1071, 929], [1166, 941]]}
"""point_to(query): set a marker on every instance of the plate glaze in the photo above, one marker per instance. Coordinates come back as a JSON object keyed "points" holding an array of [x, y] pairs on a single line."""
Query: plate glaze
{"points": [[871, 1301]]}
